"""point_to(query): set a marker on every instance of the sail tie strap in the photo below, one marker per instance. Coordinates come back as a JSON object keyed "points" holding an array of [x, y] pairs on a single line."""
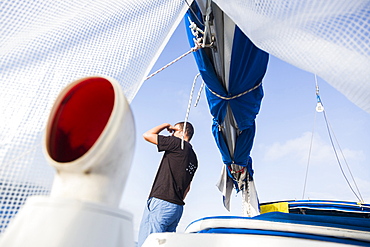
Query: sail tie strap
{"points": [[235, 96], [233, 172]]}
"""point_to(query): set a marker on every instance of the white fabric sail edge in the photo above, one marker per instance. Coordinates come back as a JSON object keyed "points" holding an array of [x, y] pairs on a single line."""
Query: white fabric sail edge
{"points": [[250, 203], [45, 46], [329, 38]]}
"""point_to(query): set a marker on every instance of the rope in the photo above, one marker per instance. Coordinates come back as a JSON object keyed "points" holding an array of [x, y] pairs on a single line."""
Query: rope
{"points": [[198, 97], [235, 96], [198, 43], [249, 195], [247, 199], [193, 49], [188, 110]]}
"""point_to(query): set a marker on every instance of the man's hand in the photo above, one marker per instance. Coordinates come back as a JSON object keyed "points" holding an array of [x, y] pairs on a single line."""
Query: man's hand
{"points": [[173, 129]]}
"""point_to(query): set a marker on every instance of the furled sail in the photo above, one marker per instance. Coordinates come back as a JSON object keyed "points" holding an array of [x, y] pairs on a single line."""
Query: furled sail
{"points": [[328, 38], [232, 68]]}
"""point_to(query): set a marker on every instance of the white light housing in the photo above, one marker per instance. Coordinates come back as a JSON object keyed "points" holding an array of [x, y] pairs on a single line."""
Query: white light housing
{"points": [[90, 139]]}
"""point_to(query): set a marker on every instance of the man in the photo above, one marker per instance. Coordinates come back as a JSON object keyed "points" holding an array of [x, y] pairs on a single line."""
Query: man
{"points": [[165, 204]]}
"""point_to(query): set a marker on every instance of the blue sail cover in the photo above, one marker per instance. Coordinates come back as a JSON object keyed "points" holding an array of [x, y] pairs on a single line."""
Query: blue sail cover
{"points": [[247, 68]]}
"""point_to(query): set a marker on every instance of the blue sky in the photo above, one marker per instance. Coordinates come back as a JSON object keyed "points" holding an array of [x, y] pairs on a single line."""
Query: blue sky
{"points": [[281, 145]]}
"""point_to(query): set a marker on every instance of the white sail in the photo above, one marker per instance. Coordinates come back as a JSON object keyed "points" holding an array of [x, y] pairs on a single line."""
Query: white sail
{"points": [[329, 38], [44, 46], [47, 44]]}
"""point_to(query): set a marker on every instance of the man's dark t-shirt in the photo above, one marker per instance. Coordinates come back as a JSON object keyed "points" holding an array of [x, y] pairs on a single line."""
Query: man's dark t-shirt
{"points": [[176, 170]]}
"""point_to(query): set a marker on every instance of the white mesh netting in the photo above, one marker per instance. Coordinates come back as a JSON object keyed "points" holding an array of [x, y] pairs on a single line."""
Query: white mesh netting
{"points": [[330, 38], [45, 45]]}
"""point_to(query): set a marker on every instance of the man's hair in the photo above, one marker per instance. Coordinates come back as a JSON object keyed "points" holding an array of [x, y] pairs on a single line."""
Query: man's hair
{"points": [[189, 129]]}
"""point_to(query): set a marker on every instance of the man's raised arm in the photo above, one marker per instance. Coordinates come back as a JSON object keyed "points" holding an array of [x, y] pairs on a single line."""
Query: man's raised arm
{"points": [[152, 134]]}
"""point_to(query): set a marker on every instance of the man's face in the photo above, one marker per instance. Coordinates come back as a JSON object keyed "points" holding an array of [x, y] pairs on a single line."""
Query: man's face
{"points": [[178, 132]]}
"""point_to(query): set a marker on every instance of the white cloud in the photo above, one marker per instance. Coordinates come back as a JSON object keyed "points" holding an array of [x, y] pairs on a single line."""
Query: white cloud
{"points": [[281, 170], [291, 148], [321, 152]]}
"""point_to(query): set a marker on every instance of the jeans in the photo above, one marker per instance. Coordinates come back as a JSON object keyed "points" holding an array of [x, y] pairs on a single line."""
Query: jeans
{"points": [[159, 216]]}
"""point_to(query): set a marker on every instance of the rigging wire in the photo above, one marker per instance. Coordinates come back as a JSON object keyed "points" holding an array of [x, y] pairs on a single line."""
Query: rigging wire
{"points": [[320, 108], [359, 197], [345, 161], [309, 156], [200, 22]]}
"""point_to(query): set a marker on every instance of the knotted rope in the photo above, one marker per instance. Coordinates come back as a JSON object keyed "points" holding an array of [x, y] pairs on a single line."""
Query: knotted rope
{"points": [[235, 96], [188, 110]]}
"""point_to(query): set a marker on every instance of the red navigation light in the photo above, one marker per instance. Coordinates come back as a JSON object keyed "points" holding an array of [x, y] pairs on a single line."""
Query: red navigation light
{"points": [[80, 119]]}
